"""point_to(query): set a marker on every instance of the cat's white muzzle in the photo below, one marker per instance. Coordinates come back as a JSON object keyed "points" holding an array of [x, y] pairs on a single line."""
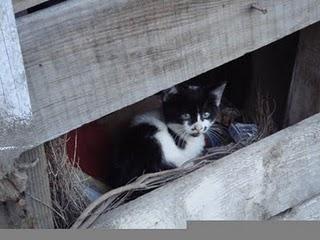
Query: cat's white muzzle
{"points": [[197, 128]]}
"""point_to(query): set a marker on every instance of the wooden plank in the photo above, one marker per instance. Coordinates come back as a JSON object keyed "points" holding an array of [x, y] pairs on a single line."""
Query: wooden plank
{"points": [[85, 59], [254, 183], [38, 198], [304, 92], [15, 108], [272, 68], [21, 5], [308, 210], [33, 208]]}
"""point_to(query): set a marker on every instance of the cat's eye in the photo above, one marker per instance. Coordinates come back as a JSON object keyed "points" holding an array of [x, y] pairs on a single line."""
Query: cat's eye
{"points": [[205, 114], [185, 116]]}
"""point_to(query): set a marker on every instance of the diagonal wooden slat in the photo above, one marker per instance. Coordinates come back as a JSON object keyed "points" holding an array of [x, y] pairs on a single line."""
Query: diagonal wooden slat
{"points": [[85, 59], [257, 182]]}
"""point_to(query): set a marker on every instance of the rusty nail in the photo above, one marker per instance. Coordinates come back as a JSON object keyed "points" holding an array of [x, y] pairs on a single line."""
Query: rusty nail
{"points": [[255, 6]]}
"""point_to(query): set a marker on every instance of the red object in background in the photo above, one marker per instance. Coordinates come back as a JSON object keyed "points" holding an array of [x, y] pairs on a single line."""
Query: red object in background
{"points": [[95, 139], [92, 149]]}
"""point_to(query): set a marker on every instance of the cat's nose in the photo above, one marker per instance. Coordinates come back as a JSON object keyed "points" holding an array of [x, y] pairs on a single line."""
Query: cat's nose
{"points": [[197, 128]]}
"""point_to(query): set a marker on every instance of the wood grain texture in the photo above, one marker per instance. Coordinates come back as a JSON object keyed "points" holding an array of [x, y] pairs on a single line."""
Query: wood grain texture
{"points": [[38, 198], [254, 183], [12, 185], [15, 108], [32, 206], [20, 5], [304, 92], [85, 59], [308, 210]]}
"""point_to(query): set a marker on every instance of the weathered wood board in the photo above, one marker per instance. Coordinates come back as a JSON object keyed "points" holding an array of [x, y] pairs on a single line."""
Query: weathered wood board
{"points": [[308, 210], [304, 95], [20, 5], [16, 132], [38, 198], [26, 193], [254, 183], [15, 108], [85, 59]]}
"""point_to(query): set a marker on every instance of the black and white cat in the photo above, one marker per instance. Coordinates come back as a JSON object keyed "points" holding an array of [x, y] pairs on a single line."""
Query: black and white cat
{"points": [[166, 139]]}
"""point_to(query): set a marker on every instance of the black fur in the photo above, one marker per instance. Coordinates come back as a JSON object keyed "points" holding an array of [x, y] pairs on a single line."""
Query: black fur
{"points": [[137, 153]]}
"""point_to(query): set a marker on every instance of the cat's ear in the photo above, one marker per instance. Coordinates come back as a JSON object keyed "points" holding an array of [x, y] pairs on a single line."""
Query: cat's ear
{"points": [[217, 93], [166, 94]]}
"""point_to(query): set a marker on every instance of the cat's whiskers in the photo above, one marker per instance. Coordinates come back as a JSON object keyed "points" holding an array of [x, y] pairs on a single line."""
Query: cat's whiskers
{"points": [[185, 135], [182, 137], [178, 131], [177, 137], [214, 133]]}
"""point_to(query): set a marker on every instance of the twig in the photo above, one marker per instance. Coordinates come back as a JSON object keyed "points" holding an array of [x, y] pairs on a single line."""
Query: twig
{"points": [[45, 204]]}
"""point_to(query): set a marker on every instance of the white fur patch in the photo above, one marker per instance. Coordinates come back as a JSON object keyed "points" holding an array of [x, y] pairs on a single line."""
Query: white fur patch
{"points": [[171, 152]]}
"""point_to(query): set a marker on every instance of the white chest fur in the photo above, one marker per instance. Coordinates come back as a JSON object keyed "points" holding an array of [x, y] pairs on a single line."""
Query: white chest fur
{"points": [[171, 152]]}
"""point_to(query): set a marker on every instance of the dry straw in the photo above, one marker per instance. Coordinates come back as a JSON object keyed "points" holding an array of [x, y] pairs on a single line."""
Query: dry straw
{"points": [[67, 184]]}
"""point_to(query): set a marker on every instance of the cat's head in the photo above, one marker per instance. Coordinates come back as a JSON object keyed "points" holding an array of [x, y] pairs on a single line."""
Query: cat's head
{"points": [[190, 110]]}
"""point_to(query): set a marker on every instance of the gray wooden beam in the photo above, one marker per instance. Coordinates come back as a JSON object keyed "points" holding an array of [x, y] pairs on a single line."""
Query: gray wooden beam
{"points": [[254, 183], [85, 59], [15, 108], [303, 100], [37, 194], [307, 210], [32, 206], [16, 135]]}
